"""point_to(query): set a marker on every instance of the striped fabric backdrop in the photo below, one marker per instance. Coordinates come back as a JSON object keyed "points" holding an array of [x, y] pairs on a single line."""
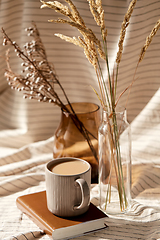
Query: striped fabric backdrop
{"points": [[27, 126]]}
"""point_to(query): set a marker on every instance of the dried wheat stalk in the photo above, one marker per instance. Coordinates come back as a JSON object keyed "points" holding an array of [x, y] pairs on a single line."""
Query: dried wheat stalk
{"points": [[124, 26], [149, 40]]}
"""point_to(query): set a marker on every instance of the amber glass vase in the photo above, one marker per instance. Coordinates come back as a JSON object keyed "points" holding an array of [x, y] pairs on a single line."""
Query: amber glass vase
{"points": [[77, 135]]}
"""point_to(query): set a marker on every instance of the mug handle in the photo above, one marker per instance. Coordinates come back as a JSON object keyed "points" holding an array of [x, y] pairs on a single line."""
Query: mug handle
{"points": [[85, 193]]}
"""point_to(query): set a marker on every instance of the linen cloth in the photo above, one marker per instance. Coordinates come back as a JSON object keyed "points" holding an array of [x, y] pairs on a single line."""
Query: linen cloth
{"points": [[27, 127]]}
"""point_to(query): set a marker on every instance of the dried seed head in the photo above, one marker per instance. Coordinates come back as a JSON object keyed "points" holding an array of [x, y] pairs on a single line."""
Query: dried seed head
{"points": [[4, 41], [40, 88], [149, 40], [125, 24]]}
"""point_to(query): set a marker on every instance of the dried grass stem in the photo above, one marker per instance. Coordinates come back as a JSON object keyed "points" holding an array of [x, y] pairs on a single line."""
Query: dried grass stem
{"points": [[149, 40]]}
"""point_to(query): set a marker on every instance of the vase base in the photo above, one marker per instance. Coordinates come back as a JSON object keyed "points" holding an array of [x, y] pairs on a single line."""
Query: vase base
{"points": [[114, 209]]}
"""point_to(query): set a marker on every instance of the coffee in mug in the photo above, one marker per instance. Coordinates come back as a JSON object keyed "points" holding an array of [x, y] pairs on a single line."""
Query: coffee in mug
{"points": [[70, 167], [68, 186]]}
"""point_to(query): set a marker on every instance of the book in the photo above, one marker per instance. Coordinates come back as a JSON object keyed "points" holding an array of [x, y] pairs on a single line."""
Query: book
{"points": [[34, 205]]}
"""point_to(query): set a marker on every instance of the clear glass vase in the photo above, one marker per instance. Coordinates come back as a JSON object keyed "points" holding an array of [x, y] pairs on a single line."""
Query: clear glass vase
{"points": [[114, 162], [70, 137]]}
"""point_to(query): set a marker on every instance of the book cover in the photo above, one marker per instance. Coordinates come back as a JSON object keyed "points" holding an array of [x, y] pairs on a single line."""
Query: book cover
{"points": [[35, 206]]}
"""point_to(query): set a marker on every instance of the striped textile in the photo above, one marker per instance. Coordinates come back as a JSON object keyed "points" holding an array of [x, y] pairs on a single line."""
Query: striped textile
{"points": [[27, 126]]}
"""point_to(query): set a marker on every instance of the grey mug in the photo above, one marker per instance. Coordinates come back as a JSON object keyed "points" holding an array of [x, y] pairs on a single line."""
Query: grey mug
{"points": [[68, 195]]}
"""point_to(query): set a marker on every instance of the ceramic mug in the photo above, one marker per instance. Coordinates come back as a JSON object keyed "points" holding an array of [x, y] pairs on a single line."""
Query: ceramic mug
{"points": [[68, 186]]}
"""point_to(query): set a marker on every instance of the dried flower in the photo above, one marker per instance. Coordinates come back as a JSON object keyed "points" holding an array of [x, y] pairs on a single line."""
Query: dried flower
{"points": [[125, 24], [88, 41], [39, 77], [39, 73], [149, 40], [98, 14]]}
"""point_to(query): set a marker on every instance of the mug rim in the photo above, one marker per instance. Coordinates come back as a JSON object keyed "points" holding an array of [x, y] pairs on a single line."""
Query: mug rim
{"points": [[63, 159]]}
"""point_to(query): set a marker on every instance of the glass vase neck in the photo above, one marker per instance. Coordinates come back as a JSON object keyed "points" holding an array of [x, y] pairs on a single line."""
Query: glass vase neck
{"points": [[120, 114]]}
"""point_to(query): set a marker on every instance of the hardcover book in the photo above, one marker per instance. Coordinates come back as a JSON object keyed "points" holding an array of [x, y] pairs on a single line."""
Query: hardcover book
{"points": [[35, 206]]}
